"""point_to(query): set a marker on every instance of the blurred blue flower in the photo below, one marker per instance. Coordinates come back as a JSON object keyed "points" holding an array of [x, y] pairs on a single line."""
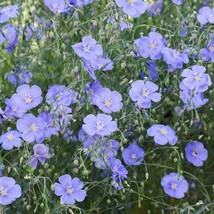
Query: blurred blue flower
{"points": [[174, 185], [41, 153], [196, 153], [9, 190], [10, 139], [8, 12], [133, 8], [133, 155]]}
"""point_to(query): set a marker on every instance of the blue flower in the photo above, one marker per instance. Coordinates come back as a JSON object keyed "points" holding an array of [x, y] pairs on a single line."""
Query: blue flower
{"points": [[8, 12], [206, 15], [100, 124], [143, 93], [196, 79], [133, 8], [133, 155], [9, 190], [41, 153], [207, 53], [32, 128], [69, 189], [108, 101], [28, 97], [162, 134], [174, 185], [151, 46], [88, 49], [174, 58], [196, 153], [56, 6], [10, 139]]}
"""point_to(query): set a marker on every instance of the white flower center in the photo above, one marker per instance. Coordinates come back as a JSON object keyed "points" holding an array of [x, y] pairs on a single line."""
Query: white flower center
{"points": [[33, 127], [145, 92], [28, 98], [174, 186], [100, 125], [10, 137], [163, 131]]}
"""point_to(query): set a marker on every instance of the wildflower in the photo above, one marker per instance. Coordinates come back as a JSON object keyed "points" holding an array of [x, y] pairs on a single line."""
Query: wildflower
{"points": [[9, 190], [151, 46], [207, 53], [192, 99], [10, 139], [133, 155], [13, 109], [69, 189], [206, 15], [143, 93], [32, 128], [117, 167], [174, 185], [100, 124], [108, 101], [91, 90], [162, 134], [19, 76], [174, 58], [196, 153], [133, 8], [41, 153], [51, 125], [8, 12], [56, 6], [60, 95], [28, 97], [155, 9], [88, 49], [196, 79]]}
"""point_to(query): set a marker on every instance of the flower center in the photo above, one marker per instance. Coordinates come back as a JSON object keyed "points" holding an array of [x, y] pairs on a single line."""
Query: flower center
{"points": [[3, 192], [194, 153], [197, 78], [28, 98], [175, 53], [69, 190], [163, 131], [108, 102], [152, 44], [10, 137], [100, 125], [174, 186], [211, 48], [114, 169], [133, 156], [145, 92], [130, 1], [33, 127], [86, 47], [54, 6]]}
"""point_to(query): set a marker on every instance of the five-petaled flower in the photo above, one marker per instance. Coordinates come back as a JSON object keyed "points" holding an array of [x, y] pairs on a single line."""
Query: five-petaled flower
{"points": [[196, 153], [144, 92], [162, 134], [69, 189], [9, 190], [174, 185], [101, 124]]}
